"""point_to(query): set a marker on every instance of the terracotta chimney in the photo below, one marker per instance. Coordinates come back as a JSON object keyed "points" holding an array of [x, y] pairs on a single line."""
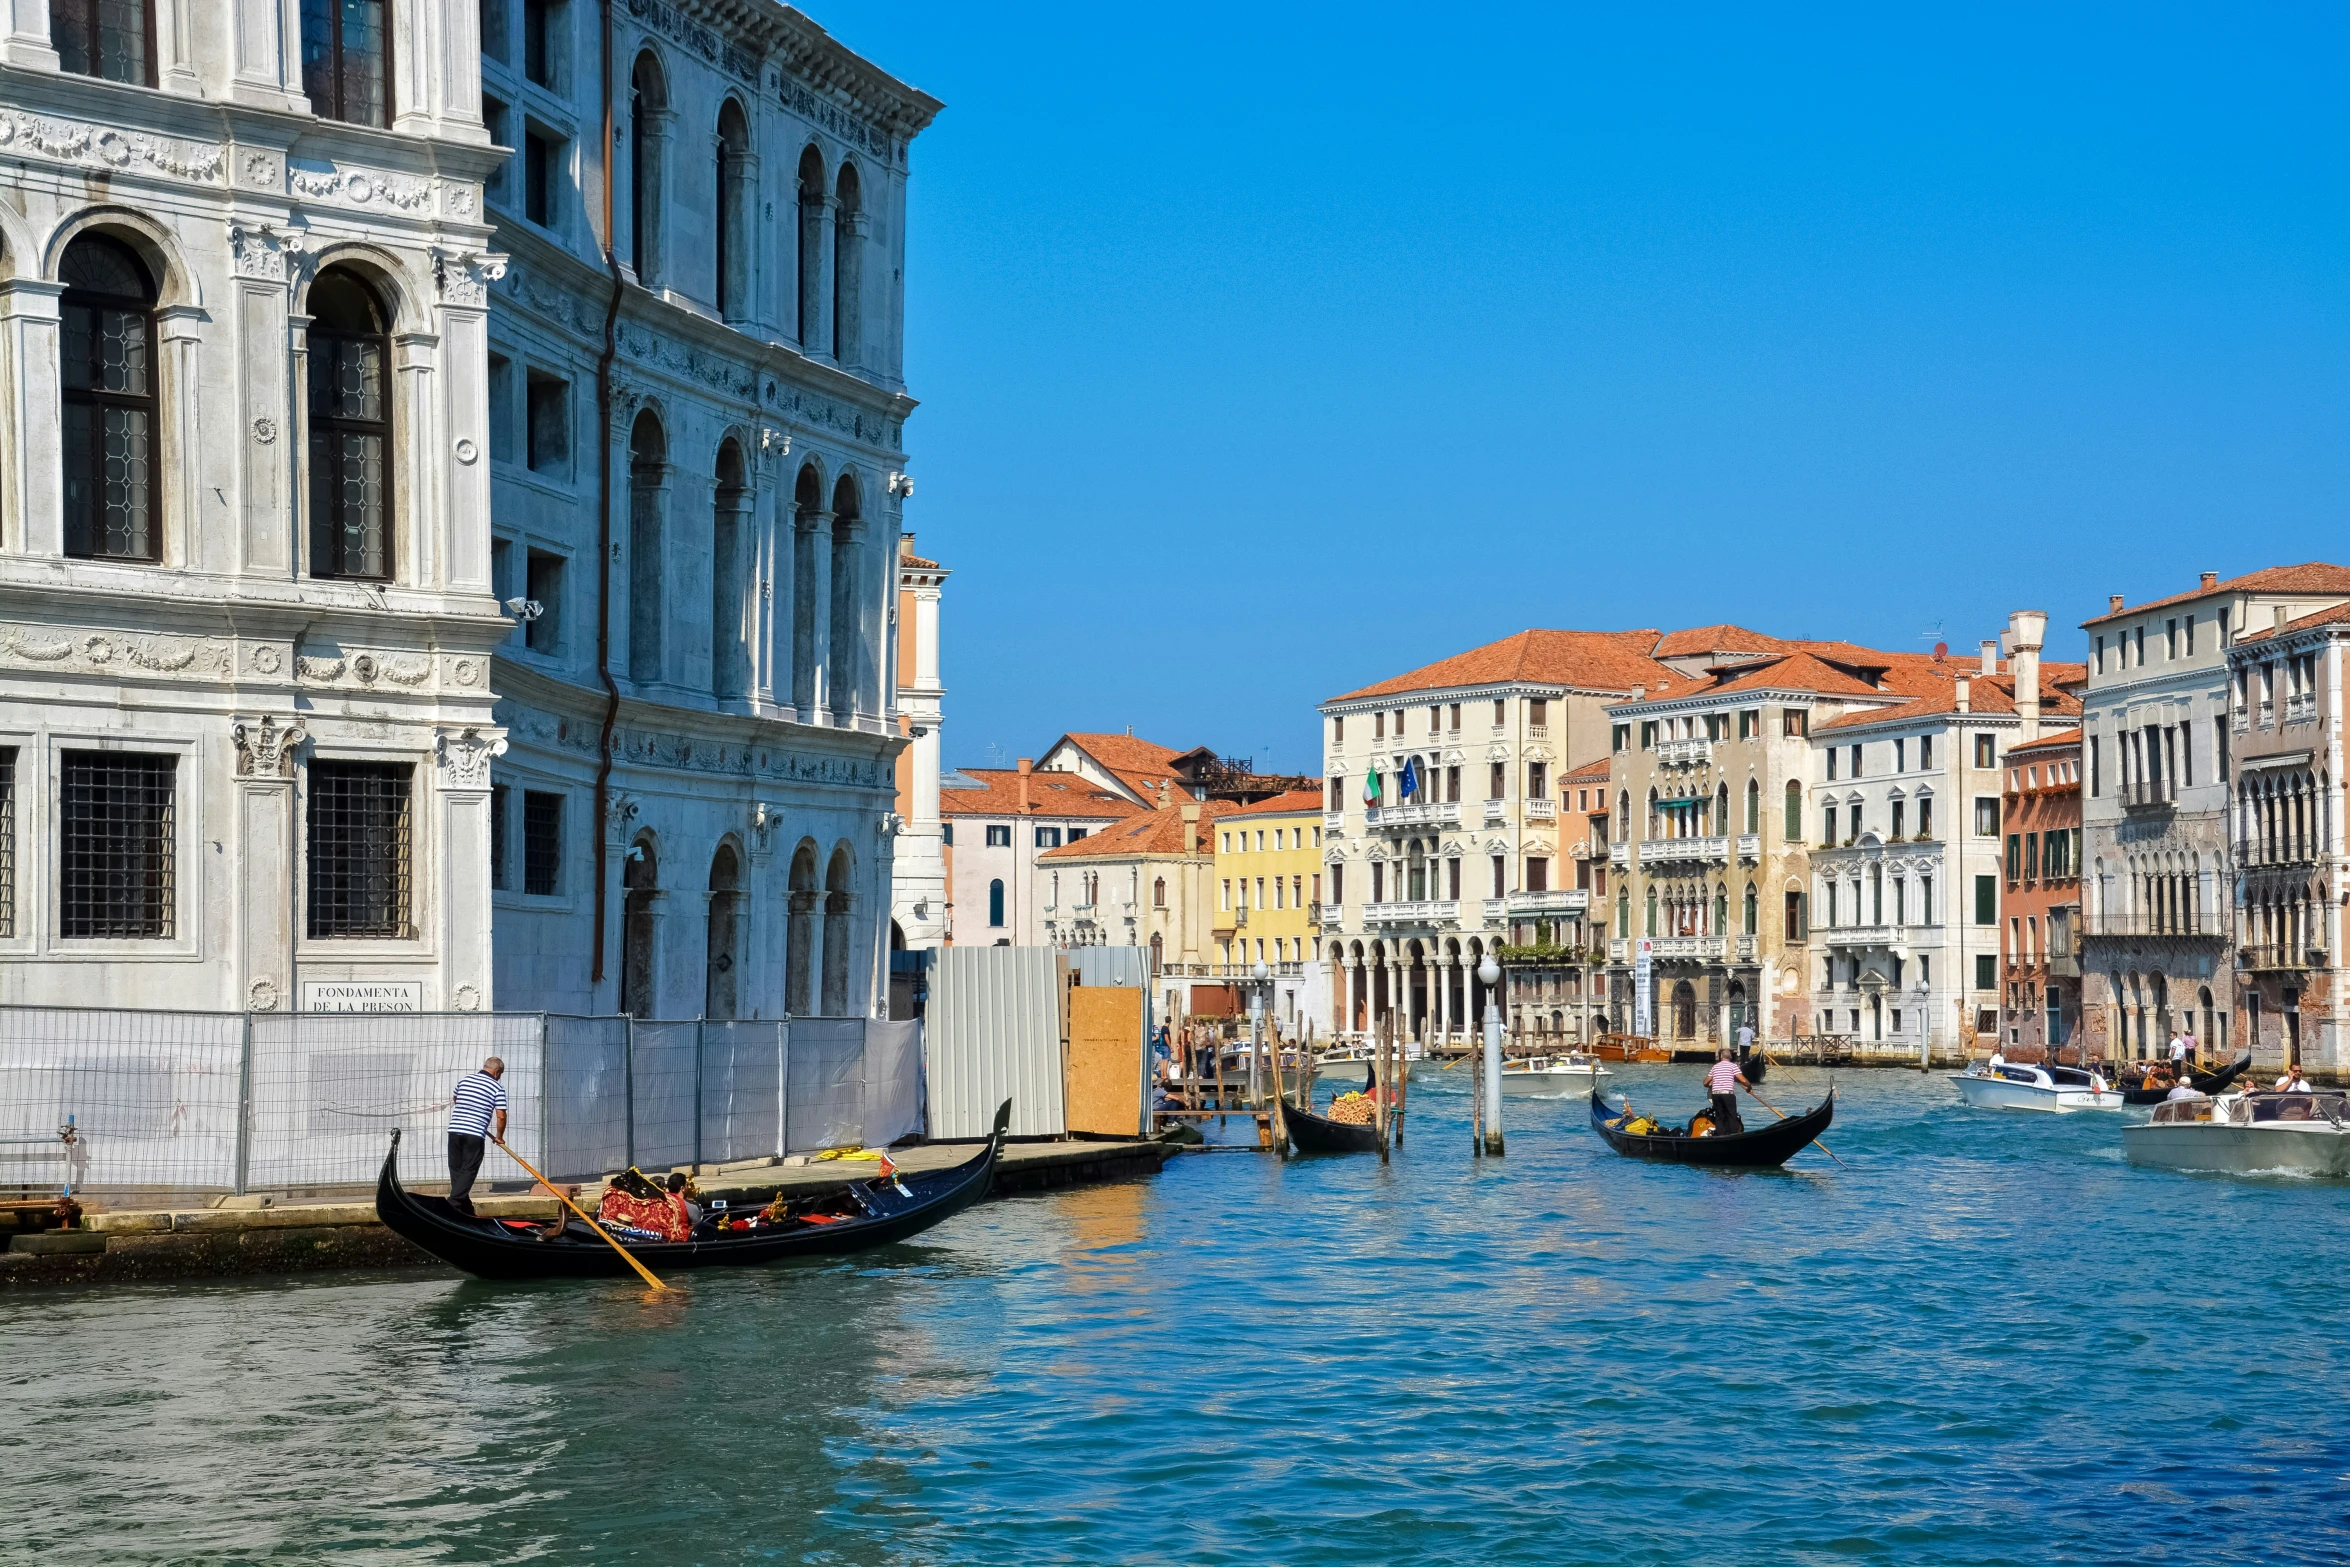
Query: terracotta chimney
{"points": [[2026, 629], [1963, 691], [2113, 603], [1191, 828], [2210, 580], [1990, 656], [1027, 766]]}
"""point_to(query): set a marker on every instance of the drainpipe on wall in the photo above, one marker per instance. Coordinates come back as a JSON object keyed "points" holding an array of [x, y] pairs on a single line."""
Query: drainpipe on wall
{"points": [[604, 524]]}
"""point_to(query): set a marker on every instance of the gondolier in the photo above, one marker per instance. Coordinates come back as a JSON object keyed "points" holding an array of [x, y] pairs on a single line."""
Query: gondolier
{"points": [[477, 1112], [1723, 1082]]}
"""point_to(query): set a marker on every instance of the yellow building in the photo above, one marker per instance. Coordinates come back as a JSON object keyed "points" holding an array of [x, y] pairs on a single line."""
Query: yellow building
{"points": [[1268, 883]]}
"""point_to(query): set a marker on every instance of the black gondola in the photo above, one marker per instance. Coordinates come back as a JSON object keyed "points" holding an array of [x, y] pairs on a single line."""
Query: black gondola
{"points": [[1754, 1064], [1319, 1134], [869, 1213], [1765, 1147], [2202, 1082]]}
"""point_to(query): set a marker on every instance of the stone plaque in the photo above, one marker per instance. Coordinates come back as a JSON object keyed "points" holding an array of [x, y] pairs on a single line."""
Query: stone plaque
{"points": [[362, 995]]}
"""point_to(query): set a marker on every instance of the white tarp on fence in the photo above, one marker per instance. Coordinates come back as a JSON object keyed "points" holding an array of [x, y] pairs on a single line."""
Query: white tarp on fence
{"points": [[276, 1101]]}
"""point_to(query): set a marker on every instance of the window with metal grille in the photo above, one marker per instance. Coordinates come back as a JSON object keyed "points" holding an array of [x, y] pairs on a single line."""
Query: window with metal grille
{"points": [[7, 840], [542, 843], [107, 360], [117, 845], [350, 430], [112, 39], [347, 60], [499, 880], [361, 833]]}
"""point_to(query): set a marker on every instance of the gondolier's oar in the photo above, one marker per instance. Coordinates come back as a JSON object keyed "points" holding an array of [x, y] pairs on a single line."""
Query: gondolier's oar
{"points": [[1782, 1115], [610, 1239]]}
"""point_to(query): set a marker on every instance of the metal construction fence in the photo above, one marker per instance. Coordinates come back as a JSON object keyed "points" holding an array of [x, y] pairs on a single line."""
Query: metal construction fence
{"points": [[111, 1100]]}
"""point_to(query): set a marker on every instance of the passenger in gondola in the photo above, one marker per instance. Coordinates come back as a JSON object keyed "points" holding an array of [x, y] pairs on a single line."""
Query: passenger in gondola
{"points": [[1723, 1083]]}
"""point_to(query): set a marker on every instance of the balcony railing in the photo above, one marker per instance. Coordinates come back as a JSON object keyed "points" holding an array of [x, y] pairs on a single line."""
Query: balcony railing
{"points": [[2242, 722], [1699, 948], [1860, 935], [2301, 709], [1655, 850], [1542, 905], [2194, 926], [1496, 812], [2268, 712], [1619, 950], [1417, 813], [1495, 910], [1619, 854], [2274, 958], [1230, 970], [1685, 753], [1750, 846], [2145, 794], [1746, 946], [1416, 911], [1333, 821], [1538, 731], [1541, 811]]}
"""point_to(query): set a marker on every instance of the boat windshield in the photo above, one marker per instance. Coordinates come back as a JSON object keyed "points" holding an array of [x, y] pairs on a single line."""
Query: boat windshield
{"points": [[2301, 1107], [2069, 1076]]}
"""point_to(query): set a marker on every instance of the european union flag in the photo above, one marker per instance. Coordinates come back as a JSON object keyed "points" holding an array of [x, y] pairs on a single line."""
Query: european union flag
{"points": [[1409, 784]]}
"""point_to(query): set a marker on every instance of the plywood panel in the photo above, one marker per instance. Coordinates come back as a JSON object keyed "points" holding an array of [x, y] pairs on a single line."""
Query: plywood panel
{"points": [[1105, 1087]]}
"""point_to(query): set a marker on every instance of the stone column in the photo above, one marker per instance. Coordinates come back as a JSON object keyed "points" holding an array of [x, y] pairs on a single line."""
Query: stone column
{"points": [[460, 453], [652, 180], [34, 522], [26, 42], [737, 267], [1440, 978], [849, 289], [184, 538], [460, 893], [419, 552], [844, 652], [812, 614], [816, 248], [734, 618], [264, 38], [265, 861], [651, 659]]}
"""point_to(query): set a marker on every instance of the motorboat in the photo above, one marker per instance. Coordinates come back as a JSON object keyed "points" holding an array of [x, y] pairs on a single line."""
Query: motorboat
{"points": [[2247, 1134], [1573, 1070], [2015, 1085]]}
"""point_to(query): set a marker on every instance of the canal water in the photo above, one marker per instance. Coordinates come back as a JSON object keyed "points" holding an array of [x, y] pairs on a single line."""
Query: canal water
{"points": [[1985, 1339]]}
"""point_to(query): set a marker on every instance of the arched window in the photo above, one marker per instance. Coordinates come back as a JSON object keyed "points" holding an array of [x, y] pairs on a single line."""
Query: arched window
{"points": [[346, 60], [733, 201], [110, 39], [1158, 896], [648, 549], [843, 658], [1158, 952], [730, 546], [648, 118], [1623, 816], [995, 902], [1753, 910], [723, 956], [1794, 822], [848, 225], [1721, 910], [1652, 911], [811, 298], [107, 360], [350, 430], [1623, 913], [1753, 806]]}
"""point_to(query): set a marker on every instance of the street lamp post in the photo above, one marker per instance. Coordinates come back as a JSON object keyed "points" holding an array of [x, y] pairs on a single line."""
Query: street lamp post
{"points": [[1490, 972], [1256, 1029]]}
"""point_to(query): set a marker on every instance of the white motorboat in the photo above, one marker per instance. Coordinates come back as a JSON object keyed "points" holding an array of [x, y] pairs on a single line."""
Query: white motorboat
{"points": [[1353, 1061], [2246, 1134], [2011, 1085], [1568, 1071]]}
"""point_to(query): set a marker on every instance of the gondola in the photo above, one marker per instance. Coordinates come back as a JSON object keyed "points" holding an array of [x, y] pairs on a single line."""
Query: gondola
{"points": [[1763, 1148], [1754, 1064], [2202, 1082], [1319, 1134], [869, 1213]]}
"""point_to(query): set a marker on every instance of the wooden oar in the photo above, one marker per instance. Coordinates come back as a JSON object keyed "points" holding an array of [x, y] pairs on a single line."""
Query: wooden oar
{"points": [[1782, 1115], [609, 1238]]}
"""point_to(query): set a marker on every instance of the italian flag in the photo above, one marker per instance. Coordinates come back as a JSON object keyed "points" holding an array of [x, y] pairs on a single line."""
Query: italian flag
{"points": [[1371, 787]]}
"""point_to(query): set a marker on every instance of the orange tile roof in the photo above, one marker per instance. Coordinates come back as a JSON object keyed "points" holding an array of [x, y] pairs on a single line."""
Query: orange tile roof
{"points": [[1049, 794], [1724, 638], [1123, 753], [2315, 576], [1985, 694], [1798, 671], [1297, 802], [1590, 660], [1154, 833], [1589, 772], [2055, 742], [2338, 615]]}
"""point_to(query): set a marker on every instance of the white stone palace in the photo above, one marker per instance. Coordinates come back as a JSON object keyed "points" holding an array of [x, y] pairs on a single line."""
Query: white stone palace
{"points": [[308, 377]]}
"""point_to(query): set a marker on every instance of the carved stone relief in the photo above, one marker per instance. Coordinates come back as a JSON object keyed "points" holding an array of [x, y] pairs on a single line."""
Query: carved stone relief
{"points": [[264, 750], [464, 757], [72, 141]]}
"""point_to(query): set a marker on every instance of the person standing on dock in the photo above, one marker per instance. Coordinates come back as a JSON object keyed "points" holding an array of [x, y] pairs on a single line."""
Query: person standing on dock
{"points": [[477, 1112], [1723, 1082]]}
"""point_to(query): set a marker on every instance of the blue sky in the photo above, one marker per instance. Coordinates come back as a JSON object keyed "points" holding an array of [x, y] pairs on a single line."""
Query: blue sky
{"points": [[1267, 351]]}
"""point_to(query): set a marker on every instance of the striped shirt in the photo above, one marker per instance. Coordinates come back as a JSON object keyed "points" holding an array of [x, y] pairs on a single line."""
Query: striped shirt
{"points": [[1723, 1079], [469, 1111]]}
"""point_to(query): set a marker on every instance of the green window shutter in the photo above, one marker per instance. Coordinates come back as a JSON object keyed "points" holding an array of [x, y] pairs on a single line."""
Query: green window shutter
{"points": [[1986, 900]]}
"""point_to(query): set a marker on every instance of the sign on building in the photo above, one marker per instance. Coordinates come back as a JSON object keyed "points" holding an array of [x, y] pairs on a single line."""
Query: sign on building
{"points": [[362, 995], [1643, 996]]}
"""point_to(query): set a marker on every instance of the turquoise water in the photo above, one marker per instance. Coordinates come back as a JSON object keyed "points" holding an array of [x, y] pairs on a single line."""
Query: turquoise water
{"points": [[1988, 1340]]}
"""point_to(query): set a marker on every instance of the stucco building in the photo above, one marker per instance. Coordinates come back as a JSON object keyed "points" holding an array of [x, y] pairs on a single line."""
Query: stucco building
{"points": [[918, 887], [997, 822], [2040, 898], [1156, 868], [2157, 736], [1269, 902], [2286, 710]]}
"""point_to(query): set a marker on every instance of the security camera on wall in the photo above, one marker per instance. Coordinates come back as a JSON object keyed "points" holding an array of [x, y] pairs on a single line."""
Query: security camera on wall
{"points": [[525, 609]]}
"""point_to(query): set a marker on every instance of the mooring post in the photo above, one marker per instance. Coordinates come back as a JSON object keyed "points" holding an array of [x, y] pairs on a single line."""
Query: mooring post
{"points": [[1490, 972]]}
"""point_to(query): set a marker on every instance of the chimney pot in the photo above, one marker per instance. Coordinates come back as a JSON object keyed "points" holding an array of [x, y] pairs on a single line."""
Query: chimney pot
{"points": [[2113, 604], [1963, 690], [1990, 656], [2210, 580]]}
